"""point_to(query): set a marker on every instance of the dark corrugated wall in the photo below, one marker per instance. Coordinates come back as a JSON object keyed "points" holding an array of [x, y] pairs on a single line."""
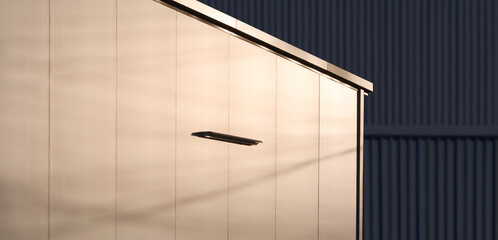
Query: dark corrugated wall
{"points": [[431, 147], [430, 188]]}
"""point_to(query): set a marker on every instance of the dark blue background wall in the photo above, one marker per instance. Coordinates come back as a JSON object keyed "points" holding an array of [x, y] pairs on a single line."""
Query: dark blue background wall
{"points": [[431, 149]]}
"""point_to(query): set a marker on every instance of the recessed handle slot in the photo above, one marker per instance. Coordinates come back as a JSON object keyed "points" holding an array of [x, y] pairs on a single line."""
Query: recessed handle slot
{"points": [[227, 138]]}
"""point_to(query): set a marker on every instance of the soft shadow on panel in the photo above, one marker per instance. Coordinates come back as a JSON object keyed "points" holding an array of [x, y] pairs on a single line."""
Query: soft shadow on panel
{"points": [[143, 214], [74, 209]]}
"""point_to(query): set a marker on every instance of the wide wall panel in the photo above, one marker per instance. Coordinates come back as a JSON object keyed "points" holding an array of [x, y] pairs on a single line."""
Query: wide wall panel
{"points": [[82, 119], [24, 119], [99, 101], [297, 152], [252, 115], [202, 105], [337, 193], [146, 93]]}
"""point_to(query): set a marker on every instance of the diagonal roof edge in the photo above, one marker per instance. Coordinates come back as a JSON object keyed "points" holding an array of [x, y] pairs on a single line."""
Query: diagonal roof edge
{"points": [[221, 20]]}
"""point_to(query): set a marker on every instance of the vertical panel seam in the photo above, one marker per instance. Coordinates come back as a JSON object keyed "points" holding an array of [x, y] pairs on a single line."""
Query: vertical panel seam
{"points": [[116, 126], [228, 146], [318, 162], [276, 148], [176, 111], [49, 112]]}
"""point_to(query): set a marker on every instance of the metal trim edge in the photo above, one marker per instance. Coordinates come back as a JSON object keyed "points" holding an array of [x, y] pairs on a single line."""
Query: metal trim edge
{"points": [[225, 22]]}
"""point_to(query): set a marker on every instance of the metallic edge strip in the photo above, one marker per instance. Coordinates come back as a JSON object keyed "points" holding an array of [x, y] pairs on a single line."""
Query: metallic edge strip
{"points": [[367, 85], [208, 11], [339, 82], [359, 165], [242, 30], [246, 28]]}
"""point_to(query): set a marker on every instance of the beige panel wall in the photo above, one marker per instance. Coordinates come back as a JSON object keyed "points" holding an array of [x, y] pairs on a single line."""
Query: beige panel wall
{"points": [[24, 119], [146, 120], [297, 152], [129, 81], [338, 125], [252, 115], [202, 105], [83, 119]]}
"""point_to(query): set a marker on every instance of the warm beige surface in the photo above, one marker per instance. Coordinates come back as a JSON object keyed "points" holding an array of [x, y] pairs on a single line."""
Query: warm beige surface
{"points": [[23, 119], [337, 161], [205, 12], [267, 38], [252, 169], [202, 105], [110, 119], [297, 152], [82, 119], [146, 120]]}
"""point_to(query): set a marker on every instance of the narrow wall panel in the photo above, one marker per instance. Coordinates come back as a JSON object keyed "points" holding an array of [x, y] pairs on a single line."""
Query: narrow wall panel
{"points": [[338, 125], [297, 152], [146, 97], [82, 119], [24, 119], [202, 105], [252, 115]]}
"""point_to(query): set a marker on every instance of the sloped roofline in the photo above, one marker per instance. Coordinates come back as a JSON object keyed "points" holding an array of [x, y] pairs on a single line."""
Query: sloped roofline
{"points": [[227, 23]]}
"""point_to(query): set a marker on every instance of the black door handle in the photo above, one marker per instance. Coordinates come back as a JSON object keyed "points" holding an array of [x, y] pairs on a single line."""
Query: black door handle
{"points": [[227, 138]]}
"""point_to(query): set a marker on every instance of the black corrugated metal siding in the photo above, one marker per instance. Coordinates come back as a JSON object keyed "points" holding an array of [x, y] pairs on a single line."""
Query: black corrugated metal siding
{"points": [[431, 188], [431, 161]]}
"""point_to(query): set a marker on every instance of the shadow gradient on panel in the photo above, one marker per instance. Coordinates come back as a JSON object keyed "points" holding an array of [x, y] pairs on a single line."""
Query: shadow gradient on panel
{"points": [[74, 209]]}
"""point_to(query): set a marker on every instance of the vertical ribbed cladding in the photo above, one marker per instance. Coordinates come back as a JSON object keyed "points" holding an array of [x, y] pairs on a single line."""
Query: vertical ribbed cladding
{"points": [[433, 63], [431, 188]]}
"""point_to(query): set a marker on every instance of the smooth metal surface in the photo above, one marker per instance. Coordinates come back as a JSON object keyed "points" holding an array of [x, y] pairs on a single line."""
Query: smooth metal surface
{"points": [[297, 152], [359, 155], [223, 21], [284, 46], [252, 170], [202, 103], [265, 37], [364, 84], [146, 95], [209, 11], [96, 124], [82, 119], [24, 120], [338, 157]]}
